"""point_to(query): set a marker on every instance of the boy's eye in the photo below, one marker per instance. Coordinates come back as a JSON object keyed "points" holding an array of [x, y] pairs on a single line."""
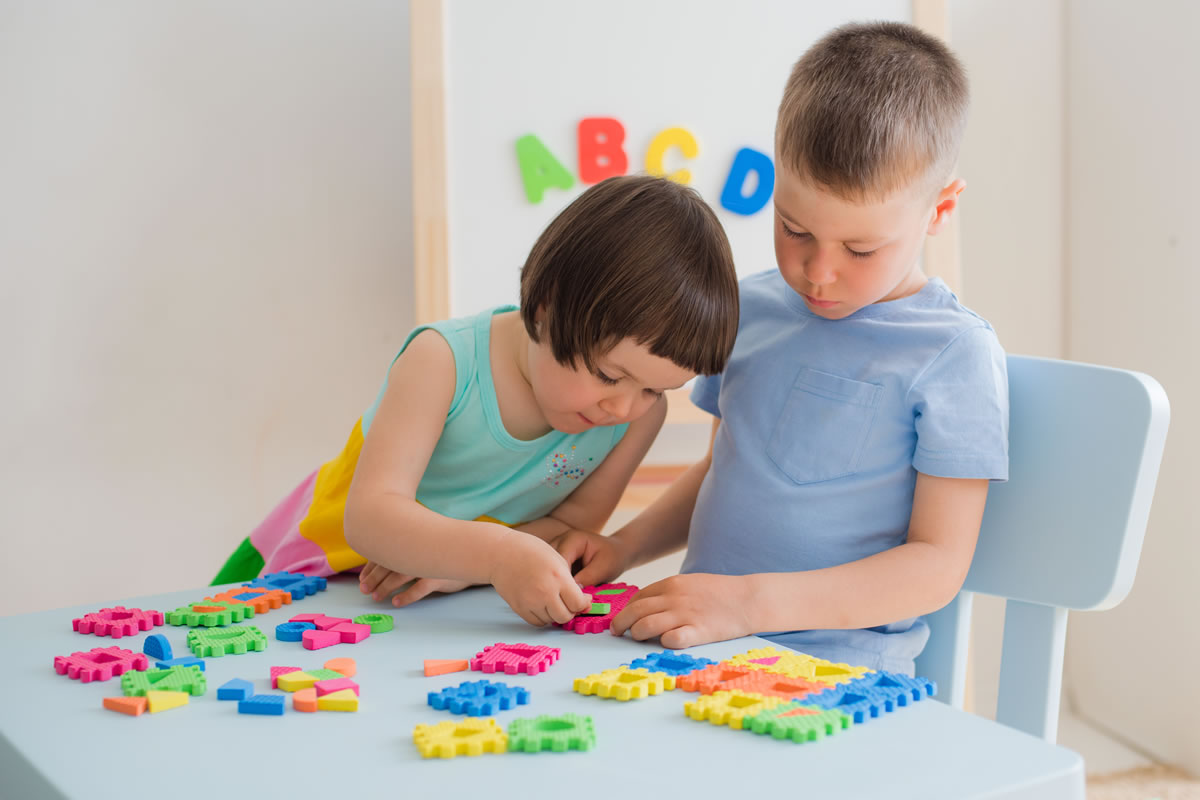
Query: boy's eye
{"points": [[796, 234], [605, 379], [860, 254]]}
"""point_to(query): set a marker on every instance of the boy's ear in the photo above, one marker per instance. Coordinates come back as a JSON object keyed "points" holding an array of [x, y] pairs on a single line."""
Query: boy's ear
{"points": [[945, 205]]}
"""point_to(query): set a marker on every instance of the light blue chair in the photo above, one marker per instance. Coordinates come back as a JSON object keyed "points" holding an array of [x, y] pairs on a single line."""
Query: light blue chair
{"points": [[1065, 532]]}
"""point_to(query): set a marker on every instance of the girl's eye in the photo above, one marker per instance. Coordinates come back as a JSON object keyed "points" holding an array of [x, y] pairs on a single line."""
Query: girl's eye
{"points": [[607, 380], [653, 393]]}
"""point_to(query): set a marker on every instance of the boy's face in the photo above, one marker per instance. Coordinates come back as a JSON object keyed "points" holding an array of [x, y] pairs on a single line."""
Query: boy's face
{"points": [[841, 256]]}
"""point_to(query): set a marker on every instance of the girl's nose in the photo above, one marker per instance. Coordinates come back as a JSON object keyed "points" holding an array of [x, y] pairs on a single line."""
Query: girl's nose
{"points": [[617, 405]]}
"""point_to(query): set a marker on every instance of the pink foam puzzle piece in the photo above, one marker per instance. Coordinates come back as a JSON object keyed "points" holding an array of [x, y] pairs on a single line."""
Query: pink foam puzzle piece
{"points": [[513, 658], [117, 621], [100, 663], [316, 639], [277, 671], [324, 623], [307, 618], [768, 661], [335, 685], [352, 632], [617, 595]]}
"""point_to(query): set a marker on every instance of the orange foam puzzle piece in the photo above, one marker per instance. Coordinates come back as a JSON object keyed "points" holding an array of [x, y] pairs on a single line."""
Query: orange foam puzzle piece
{"points": [[133, 706], [435, 666], [346, 666], [305, 700]]}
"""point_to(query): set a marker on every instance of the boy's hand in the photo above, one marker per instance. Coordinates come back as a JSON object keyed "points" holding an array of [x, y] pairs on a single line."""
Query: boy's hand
{"points": [[379, 582], [536, 582], [687, 610], [604, 558]]}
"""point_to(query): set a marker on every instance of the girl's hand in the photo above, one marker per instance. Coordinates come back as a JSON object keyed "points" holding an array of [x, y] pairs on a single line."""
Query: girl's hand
{"points": [[687, 610], [379, 582], [536, 582], [604, 558]]}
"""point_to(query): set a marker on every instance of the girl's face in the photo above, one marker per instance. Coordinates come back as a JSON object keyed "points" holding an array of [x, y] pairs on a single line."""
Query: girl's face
{"points": [[627, 382]]}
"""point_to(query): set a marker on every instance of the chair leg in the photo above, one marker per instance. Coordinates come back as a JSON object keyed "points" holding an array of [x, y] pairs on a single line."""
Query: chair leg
{"points": [[944, 660], [1031, 668]]}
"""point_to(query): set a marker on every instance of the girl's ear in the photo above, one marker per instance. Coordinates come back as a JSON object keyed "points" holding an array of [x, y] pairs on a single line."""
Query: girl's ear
{"points": [[945, 205]]}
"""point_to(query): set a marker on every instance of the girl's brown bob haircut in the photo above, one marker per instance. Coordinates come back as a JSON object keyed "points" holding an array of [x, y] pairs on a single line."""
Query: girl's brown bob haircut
{"points": [[634, 257]]}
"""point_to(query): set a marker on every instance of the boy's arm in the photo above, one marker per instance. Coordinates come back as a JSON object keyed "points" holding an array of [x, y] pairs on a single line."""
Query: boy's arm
{"points": [[385, 523], [914, 578]]}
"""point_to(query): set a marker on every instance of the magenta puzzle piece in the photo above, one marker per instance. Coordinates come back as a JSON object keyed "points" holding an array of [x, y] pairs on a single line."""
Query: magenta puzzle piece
{"points": [[100, 664], [617, 595], [277, 671], [315, 640], [117, 621], [351, 632], [513, 658]]}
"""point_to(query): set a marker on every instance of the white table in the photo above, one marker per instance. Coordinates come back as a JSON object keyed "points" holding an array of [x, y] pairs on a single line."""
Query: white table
{"points": [[57, 741]]}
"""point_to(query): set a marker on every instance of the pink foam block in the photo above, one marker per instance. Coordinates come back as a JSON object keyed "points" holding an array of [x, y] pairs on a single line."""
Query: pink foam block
{"points": [[324, 623], [315, 640], [307, 618], [99, 664], [117, 621], [352, 632], [602, 622], [277, 671], [334, 685], [513, 658]]}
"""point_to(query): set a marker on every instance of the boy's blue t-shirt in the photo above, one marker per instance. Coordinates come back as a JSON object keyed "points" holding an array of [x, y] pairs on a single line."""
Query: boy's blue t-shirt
{"points": [[824, 426]]}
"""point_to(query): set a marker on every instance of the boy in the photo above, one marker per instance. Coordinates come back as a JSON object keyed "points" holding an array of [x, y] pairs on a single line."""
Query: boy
{"points": [[863, 411]]}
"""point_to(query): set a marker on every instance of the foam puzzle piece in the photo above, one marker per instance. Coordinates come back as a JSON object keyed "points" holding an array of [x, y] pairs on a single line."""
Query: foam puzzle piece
{"points": [[236, 689], [317, 640], [260, 597], [157, 647], [184, 661], [99, 663], [873, 695], [175, 679], [297, 585], [919, 688], [345, 666], [769, 684], [380, 623], [307, 618], [277, 671], [468, 737], [305, 700], [596, 609], [295, 681], [478, 698], [325, 623], [236, 641], [133, 706], [208, 614], [161, 700], [553, 733], [671, 663], [625, 683], [351, 632], [267, 705], [617, 595], [796, 722], [345, 700], [117, 621], [711, 678], [292, 631], [334, 685], [441, 666], [729, 708], [798, 665], [514, 658]]}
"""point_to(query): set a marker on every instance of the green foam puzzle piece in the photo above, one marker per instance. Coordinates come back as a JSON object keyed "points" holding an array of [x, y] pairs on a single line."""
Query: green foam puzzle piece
{"points": [[187, 615], [554, 733], [215, 643], [380, 623], [797, 721], [599, 608], [176, 679]]}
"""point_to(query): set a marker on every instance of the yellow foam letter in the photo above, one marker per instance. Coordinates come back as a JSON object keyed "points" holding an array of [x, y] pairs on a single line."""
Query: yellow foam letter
{"points": [[664, 141]]}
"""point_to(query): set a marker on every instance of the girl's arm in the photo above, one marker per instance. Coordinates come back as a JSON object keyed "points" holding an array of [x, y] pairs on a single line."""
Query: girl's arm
{"points": [[385, 523], [914, 578]]}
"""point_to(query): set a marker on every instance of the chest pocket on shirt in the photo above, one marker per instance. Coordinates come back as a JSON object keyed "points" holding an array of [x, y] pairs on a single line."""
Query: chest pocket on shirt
{"points": [[821, 432]]}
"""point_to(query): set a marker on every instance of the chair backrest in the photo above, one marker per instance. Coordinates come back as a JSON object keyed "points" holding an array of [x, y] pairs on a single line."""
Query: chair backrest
{"points": [[1065, 532]]}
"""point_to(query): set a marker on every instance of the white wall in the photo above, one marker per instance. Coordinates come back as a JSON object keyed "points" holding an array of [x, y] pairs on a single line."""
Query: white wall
{"points": [[205, 265], [1134, 274]]}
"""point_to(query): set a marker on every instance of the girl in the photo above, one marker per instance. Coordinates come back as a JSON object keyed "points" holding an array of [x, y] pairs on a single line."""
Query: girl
{"points": [[496, 435]]}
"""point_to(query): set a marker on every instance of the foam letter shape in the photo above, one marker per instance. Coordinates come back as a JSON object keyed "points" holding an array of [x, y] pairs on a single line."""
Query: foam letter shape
{"points": [[664, 141], [745, 162], [539, 169], [601, 154]]}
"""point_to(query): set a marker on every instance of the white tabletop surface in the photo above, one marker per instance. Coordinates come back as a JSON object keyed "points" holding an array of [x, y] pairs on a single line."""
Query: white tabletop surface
{"points": [[56, 740]]}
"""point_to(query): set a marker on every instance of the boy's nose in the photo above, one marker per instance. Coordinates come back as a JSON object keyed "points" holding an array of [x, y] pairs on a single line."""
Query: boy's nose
{"points": [[818, 270]]}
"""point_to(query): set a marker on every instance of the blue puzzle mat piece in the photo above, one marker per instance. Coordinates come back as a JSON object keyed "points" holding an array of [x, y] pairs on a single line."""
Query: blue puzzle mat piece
{"points": [[236, 689], [873, 694], [270, 705], [300, 586], [671, 663], [293, 631], [182, 661], [478, 698], [157, 647]]}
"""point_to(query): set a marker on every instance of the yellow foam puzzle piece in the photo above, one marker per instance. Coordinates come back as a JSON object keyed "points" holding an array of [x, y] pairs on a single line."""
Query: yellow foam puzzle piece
{"points": [[468, 737], [341, 700], [625, 683], [161, 701], [295, 681], [729, 708], [798, 665]]}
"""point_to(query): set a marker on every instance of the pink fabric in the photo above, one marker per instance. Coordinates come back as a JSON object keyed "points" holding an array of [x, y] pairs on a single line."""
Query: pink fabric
{"points": [[278, 538]]}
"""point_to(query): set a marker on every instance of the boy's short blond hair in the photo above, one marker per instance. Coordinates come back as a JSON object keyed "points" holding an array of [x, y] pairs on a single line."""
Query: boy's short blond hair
{"points": [[872, 108]]}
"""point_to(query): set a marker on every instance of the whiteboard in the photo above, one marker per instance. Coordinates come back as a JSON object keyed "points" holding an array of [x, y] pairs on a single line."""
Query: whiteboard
{"points": [[538, 67]]}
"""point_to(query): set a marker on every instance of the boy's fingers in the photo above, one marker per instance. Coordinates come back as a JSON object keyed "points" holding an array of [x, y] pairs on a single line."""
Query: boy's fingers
{"points": [[680, 638], [390, 584], [653, 625], [413, 593]]}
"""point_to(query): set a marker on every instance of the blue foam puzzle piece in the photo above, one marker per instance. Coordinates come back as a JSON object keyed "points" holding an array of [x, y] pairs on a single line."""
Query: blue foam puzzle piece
{"points": [[299, 586], [478, 698], [873, 694], [157, 647], [292, 631], [182, 661], [270, 705], [671, 663], [236, 689]]}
